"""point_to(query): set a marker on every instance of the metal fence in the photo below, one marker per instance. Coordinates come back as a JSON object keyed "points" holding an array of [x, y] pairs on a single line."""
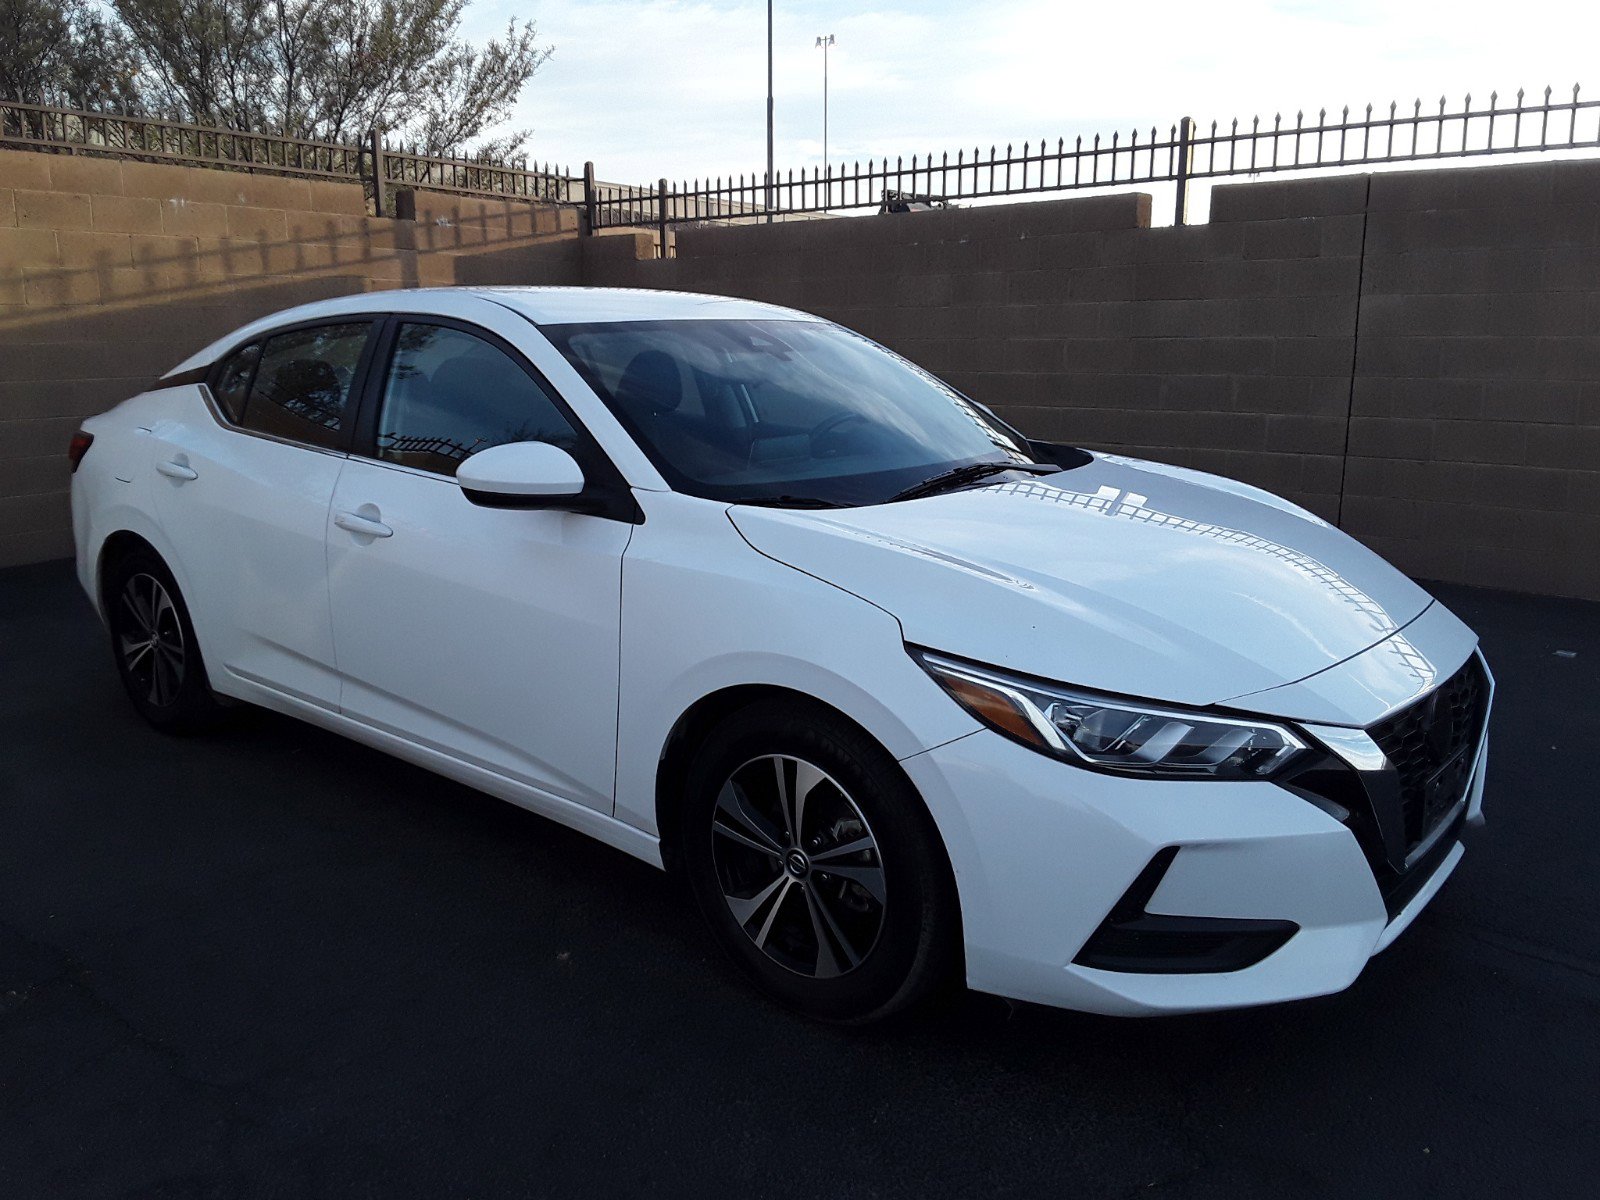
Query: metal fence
{"points": [[375, 163], [1183, 154]]}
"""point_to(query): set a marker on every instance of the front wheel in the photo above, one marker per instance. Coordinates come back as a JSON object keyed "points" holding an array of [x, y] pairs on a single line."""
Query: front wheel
{"points": [[153, 639], [817, 866]]}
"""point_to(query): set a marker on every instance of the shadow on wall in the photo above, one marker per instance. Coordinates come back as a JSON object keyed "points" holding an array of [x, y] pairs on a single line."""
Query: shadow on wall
{"points": [[90, 316]]}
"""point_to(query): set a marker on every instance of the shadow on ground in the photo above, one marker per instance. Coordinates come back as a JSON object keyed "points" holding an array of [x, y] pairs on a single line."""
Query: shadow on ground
{"points": [[270, 962]]}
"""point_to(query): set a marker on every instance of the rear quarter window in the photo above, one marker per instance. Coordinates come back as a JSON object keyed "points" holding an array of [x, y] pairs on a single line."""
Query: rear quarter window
{"points": [[232, 381]]}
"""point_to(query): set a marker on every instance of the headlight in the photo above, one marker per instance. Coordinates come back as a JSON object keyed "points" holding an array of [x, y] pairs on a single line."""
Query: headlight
{"points": [[1106, 733]]}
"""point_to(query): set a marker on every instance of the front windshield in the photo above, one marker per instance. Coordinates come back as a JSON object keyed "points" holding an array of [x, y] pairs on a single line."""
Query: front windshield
{"points": [[781, 411]]}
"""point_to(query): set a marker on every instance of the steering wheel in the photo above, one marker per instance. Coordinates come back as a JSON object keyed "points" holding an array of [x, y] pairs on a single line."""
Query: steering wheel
{"points": [[825, 439]]}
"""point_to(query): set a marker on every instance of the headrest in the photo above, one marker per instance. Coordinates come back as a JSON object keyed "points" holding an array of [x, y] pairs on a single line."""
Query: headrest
{"points": [[651, 384]]}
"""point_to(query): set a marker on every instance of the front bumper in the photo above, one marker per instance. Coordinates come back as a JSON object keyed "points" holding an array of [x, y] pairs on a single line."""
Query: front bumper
{"points": [[1043, 852]]}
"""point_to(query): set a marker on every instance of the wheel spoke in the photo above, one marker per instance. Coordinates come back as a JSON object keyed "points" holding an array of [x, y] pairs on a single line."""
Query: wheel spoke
{"points": [[806, 777], [733, 835], [162, 607], [158, 680], [827, 960], [772, 915], [133, 649], [130, 601], [733, 803], [870, 878], [744, 909], [785, 798], [852, 847]]}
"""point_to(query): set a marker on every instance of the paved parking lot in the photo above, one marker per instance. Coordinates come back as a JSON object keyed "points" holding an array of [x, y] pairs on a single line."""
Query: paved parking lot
{"points": [[274, 963]]}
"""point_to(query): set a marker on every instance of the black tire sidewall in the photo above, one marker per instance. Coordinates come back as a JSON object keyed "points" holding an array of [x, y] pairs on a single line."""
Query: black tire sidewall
{"points": [[194, 707], [912, 952]]}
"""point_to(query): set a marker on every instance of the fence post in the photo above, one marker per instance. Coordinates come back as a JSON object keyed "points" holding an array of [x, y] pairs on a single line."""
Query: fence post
{"points": [[661, 217], [591, 206], [1185, 166], [375, 142]]}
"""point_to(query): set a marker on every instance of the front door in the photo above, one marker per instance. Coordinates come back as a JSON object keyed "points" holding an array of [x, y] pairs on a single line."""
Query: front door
{"points": [[487, 634]]}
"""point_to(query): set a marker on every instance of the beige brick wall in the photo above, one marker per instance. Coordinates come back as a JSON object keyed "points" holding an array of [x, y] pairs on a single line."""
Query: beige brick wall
{"points": [[111, 272]]}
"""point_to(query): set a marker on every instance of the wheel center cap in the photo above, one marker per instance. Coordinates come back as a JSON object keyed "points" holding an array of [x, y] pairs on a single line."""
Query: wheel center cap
{"points": [[796, 863]]}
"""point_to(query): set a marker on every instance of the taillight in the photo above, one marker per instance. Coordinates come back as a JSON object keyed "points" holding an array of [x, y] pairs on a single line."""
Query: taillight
{"points": [[79, 446]]}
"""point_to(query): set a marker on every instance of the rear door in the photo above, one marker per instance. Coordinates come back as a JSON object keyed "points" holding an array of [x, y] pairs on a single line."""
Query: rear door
{"points": [[243, 496], [488, 634]]}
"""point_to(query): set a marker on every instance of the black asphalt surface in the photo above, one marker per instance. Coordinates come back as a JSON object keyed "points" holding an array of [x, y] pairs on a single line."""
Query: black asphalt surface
{"points": [[270, 962]]}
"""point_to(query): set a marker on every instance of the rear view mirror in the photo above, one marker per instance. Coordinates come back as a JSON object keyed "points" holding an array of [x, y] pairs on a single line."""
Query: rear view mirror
{"points": [[521, 475]]}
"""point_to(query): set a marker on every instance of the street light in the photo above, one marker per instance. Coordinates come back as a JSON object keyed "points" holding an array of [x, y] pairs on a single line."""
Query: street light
{"points": [[767, 191], [827, 174]]}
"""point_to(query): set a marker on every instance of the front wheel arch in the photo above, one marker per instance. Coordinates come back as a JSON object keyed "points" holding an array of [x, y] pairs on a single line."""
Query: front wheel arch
{"points": [[695, 725]]}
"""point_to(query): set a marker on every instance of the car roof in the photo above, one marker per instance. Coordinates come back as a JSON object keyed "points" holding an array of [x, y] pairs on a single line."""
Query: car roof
{"points": [[540, 305]]}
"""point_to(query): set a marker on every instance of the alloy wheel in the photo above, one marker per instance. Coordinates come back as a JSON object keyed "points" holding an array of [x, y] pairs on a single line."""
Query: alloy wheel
{"points": [[150, 640], [798, 866]]}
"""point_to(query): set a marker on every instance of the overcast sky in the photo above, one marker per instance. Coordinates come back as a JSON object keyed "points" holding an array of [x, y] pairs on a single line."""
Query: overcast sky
{"points": [[648, 88]]}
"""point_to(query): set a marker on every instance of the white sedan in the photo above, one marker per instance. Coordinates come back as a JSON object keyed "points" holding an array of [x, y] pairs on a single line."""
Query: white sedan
{"points": [[907, 697]]}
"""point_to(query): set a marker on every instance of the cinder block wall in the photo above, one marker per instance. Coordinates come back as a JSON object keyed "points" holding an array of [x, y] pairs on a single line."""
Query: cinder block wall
{"points": [[1415, 356], [111, 272]]}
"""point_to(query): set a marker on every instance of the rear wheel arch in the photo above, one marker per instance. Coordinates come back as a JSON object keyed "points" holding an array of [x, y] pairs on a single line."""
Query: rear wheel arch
{"points": [[113, 550]]}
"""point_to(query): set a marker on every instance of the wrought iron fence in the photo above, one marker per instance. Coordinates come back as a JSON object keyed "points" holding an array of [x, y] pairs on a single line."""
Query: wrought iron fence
{"points": [[374, 161], [1182, 154]]}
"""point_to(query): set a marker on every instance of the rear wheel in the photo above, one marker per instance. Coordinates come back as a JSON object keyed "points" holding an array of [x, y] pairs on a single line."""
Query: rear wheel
{"points": [[816, 864], [156, 651]]}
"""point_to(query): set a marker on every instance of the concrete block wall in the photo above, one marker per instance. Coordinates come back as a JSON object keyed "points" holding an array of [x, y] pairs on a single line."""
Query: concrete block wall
{"points": [[112, 271], [1414, 356], [1475, 427], [1226, 347]]}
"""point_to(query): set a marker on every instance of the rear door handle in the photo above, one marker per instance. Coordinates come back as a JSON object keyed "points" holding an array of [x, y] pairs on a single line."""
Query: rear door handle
{"points": [[181, 471], [367, 526]]}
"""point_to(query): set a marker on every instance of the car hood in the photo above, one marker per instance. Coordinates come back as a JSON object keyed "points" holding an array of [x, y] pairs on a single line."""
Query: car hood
{"points": [[1120, 575]]}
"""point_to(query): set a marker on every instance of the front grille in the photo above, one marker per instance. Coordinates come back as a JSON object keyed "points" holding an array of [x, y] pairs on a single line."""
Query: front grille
{"points": [[1431, 745]]}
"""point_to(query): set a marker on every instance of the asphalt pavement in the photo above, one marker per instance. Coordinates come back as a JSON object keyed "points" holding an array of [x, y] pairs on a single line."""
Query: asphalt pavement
{"points": [[271, 963]]}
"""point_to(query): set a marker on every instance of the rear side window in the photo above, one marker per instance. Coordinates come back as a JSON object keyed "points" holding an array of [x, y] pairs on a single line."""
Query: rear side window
{"points": [[233, 381], [302, 384]]}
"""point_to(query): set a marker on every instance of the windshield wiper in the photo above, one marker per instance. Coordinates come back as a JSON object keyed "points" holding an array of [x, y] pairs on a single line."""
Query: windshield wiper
{"points": [[970, 473], [788, 502]]}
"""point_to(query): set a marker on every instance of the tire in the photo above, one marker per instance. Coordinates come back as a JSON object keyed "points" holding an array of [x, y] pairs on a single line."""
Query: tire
{"points": [[156, 651], [845, 935]]}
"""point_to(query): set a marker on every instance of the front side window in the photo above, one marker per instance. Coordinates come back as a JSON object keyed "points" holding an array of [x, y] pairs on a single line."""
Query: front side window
{"points": [[302, 384], [450, 394], [796, 410]]}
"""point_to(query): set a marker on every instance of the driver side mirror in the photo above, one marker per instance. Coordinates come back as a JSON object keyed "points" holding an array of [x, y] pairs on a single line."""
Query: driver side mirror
{"points": [[521, 475]]}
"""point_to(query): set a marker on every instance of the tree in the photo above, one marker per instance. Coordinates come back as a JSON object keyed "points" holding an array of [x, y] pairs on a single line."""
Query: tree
{"points": [[332, 69], [65, 50]]}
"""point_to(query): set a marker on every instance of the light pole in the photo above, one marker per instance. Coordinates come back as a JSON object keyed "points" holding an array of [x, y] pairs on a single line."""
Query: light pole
{"points": [[825, 41], [768, 190]]}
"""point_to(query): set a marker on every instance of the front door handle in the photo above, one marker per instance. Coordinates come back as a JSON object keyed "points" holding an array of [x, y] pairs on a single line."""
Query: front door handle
{"points": [[355, 522], [178, 469]]}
